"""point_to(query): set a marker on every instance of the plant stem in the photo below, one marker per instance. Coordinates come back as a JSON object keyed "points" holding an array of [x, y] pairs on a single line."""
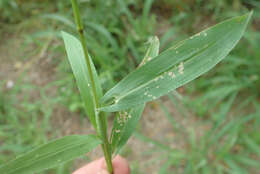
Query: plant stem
{"points": [[100, 117]]}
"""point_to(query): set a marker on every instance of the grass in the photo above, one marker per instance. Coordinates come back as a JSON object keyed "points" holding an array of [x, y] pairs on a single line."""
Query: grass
{"points": [[25, 120], [229, 101], [224, 148]]}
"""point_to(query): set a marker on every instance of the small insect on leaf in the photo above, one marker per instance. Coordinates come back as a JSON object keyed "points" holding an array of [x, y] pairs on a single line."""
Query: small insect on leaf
{"points": [[176, 66]]}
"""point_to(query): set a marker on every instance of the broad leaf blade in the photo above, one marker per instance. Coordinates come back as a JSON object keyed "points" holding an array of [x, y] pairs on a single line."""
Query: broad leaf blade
{"points": [[78, 64], [176, 66], [51, 154], [126, 121], [124, 126]]}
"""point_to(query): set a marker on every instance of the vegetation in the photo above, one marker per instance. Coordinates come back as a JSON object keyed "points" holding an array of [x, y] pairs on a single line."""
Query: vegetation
{"points": [[227, 98]]}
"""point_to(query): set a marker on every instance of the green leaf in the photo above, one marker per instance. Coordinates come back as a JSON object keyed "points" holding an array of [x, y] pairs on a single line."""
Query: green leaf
{"points": [[124, 125], [126, 121], [51, 154], [176, 66], [79, 67], [152, 51]]}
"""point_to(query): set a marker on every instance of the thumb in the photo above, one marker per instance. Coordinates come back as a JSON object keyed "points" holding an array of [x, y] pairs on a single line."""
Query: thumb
{"points": [[103, 172]]}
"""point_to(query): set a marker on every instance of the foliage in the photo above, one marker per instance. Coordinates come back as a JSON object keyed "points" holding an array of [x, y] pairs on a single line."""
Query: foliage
{"points": [[120, 35], [198, 54], [52, 154]]}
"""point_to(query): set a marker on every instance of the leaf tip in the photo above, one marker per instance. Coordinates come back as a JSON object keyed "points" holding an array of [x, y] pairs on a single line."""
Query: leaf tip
{"points": [[248, 16]]}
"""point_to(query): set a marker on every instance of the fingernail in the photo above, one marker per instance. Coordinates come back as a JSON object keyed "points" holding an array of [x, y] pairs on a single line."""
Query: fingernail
{"points": [[103, 172]]}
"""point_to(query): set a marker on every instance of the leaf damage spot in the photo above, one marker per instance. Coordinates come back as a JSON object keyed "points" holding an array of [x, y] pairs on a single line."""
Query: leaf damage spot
{"points": [[181, 68], [171, 74]]}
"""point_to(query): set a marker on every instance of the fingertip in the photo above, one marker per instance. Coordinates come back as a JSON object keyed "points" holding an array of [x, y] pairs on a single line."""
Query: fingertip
{"points": [[103, 172], [118, 160], [120, 165], [91, 168]]}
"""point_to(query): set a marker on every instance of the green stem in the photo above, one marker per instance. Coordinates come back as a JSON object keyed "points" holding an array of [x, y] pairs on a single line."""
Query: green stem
{"points": [[100, 117]]}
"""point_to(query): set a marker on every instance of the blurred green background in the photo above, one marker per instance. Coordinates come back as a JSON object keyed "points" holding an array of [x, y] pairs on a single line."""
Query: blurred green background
{"points": [[211, 125]]}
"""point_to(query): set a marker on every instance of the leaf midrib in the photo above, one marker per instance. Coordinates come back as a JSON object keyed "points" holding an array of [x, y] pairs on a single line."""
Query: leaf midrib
{"points": [[150, 81]]}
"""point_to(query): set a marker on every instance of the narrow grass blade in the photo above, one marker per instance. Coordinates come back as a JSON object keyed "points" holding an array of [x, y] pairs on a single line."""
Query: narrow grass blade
{"points": [[225, 108], [126, 121], [252, 146], [51, 154], [234, 167], [157, 144], [61, 18], [103, 31], [78, 64], [176, 66], [146, 9], [232, 125], [248, 161], [170, 152], [165, 166], [168, 115]]}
